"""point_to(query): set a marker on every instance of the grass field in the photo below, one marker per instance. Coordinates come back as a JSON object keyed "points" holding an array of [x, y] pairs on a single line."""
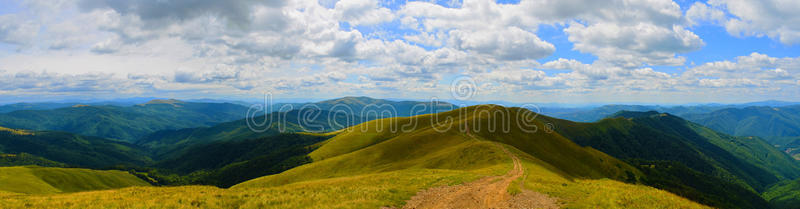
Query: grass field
{"points": [[44, 180]]}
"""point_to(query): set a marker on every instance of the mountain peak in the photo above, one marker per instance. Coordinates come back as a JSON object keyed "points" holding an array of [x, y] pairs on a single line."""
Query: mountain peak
{"points": [[173, 102], [637, 114], [352, 100]]}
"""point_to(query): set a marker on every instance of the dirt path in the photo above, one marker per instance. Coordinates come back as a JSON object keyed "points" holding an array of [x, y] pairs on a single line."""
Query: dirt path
{"points": [[488, 192]]}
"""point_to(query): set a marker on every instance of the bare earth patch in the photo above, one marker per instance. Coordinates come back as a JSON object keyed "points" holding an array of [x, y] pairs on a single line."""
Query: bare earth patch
{"points": [[488, 192]]}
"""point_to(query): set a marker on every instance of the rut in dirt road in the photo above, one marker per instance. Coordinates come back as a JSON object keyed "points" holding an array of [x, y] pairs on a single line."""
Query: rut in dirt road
{"points": [[489, 192]]}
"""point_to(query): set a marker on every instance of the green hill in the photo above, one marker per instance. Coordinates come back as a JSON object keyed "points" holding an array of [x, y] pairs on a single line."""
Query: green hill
{"points": [[385, 162], [226, 163], [770, 123], [171, 143], [652, 138], [27, 159], [33, 106], [124, 123], [43, 180], [598, 113], [365, 149], [71, 149], [785, 194]]}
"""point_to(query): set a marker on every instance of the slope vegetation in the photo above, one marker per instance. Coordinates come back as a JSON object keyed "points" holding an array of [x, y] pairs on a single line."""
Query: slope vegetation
{"points": [[167, 144], [765, 122], [672, 151], [372, 165], [124, 123], [42, 180], [71, 149]]}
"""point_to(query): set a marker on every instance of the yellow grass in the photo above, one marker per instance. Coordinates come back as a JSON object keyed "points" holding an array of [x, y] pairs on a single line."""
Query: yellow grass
{"points": [[16, 131], [43, 180]]}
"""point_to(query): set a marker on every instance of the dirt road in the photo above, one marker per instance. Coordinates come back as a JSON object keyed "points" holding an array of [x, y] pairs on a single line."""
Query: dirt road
{"points": [[489, 192]]}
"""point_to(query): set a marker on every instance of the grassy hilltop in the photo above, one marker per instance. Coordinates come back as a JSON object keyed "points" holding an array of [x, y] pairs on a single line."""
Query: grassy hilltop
{"points": [[366, 167]]}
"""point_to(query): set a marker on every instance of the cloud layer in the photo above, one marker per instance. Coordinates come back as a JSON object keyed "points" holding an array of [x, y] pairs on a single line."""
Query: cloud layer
{"points": [[298, 48]]}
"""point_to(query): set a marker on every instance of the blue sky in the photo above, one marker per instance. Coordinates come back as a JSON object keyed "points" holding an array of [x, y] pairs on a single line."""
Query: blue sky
{"points": [[544, 51]]}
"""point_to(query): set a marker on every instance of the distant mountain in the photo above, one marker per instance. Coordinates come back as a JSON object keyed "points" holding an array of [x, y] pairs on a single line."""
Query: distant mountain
{"points": [[126, 123], [595, 114], [652, 138], [33, 106], [371, 108], [770, 123], [70, 149], [769, 103]]}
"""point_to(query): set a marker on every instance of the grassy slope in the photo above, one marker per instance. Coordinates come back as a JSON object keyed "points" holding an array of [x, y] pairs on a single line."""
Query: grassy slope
{"points": [[43, 180], [360, 191], [665, 137], [785, 194], [425, 147], [748, 162], [377, 170]]}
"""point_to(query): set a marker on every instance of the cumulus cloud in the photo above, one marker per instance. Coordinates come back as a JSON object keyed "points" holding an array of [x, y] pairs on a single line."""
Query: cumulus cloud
{"points": [[634, 45], [362, 12], [505, 44], [777, 19], [627, 33], [15, 30], [157, 13], [362, 47], [754, 70], [509, 37]]}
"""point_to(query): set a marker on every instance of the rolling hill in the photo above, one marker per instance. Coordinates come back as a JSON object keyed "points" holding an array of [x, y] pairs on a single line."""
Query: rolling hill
{"points": [[227, 163], [372, 165], [126, 123], [70, 149], [43, 180], [324, 116], [171, 143], [778, 125], [598, 113], [785, 194], [651, 139], [33, 106]]}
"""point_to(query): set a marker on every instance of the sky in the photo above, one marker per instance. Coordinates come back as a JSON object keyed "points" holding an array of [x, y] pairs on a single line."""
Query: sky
{"points": [[544, 51]]}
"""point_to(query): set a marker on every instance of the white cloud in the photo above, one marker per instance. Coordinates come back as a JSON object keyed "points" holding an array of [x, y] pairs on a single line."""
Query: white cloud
{"points": [[699, 12], [634, 45], [303, 47], [362, 12], [510, 36], [777, 19], [16, 30], [510, 43]]}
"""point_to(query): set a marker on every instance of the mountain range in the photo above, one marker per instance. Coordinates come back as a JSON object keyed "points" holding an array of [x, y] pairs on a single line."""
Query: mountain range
{"points": [[630, 158]]}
